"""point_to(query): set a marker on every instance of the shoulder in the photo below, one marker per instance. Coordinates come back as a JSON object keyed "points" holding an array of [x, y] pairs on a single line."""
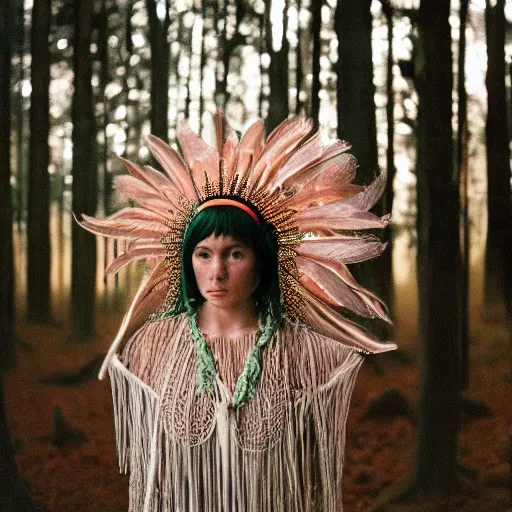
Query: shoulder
{"points": [[315, 359], [146, 351]]}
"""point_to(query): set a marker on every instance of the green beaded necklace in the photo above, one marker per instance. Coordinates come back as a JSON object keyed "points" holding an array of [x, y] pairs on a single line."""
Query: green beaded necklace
{"points": [[206, 371]]}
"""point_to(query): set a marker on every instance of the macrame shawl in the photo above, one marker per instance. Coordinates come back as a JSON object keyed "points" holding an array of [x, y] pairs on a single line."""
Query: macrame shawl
{"points": [[282, 450]]}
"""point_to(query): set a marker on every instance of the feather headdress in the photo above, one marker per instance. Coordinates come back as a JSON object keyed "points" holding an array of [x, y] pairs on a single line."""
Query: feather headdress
{"points": [[299, 185]]}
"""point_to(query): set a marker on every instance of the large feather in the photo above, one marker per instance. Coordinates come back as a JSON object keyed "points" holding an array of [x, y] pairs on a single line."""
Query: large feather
{"points": [[147, 251], [158, 181], [337, 215], [342, 248], [332, 324], [330, 182], [142, 193], [279, 147], [150, 295], [253, 139], [173, 165], [229, 156], [127, 224], [201, 157], [367, 198], [312, 158], [333, 283]]}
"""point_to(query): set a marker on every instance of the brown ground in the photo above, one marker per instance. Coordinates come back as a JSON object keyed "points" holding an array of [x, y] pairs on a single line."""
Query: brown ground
{"points": [[84, 477]]}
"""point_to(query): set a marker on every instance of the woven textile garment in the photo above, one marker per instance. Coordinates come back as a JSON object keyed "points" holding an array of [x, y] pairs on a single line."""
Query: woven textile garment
{"points": [[282, 450]]}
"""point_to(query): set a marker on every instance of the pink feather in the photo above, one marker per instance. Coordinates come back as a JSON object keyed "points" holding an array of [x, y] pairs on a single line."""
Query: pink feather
{"points": [[229, 156], [337, 215], [173, 165], [279, 148], [149, 252], [330, 181], [312, 158], [124, 224], [153, 294], [367, 198], [142, 193], [342, 248], [328, 322], [333, 283], [200, 157]]}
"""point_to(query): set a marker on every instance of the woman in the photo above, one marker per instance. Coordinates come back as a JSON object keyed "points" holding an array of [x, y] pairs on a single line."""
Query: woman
{"points": [[234, 395]]}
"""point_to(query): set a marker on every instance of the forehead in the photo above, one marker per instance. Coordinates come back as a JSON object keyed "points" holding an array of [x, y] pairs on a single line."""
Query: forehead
{"points": [[221, 242]]}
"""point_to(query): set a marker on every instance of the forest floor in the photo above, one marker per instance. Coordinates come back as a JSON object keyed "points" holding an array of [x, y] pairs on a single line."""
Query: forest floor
{"points": [[82, 476]]}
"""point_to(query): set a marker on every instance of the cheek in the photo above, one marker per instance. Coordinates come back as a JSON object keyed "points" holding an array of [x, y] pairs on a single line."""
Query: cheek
{"points": [[250, 277], [198, 274]]}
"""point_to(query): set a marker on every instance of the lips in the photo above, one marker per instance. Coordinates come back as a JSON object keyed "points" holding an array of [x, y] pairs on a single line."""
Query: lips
{"points": [[217, 293]]}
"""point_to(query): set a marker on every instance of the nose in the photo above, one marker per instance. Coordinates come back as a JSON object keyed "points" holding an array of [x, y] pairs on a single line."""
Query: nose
{"points": [[219, 270]]}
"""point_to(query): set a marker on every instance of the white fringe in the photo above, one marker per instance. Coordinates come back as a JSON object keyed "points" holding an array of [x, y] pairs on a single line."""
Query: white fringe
{"points": [[301, 471], [135, 406]]}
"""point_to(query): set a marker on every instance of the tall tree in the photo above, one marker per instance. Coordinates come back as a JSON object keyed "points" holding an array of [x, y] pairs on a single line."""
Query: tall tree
{"points": [[278, 108], [299, 74], [85, 179], [6, 248], [462, 164], [316, 27], [38, 204], [387, 10], [499, 219], [356, 114], [14, 493], [438, 248], [355, 89], [202, 65], [160, 58], [229, 45], [18, 46]]}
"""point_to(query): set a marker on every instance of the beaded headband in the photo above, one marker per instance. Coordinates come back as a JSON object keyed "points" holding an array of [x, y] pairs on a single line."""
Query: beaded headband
{"points": [[300, 186]]}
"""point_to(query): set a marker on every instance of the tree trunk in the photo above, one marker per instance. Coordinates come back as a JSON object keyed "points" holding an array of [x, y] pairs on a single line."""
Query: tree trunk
{"points": [[130, 104], [227, 47], [278, 108], [38, 211], [261, 50], [356, 116], [7, 356], [381, 270], [221, 93], [160, 56], [316, 26], [355, 89], [20, 117], [462, 163], [438, 249], [202, 64], [84, 190], [499, 220], [103, 59], [15, 495], [188, 98], [390, 111], [299, 75]]}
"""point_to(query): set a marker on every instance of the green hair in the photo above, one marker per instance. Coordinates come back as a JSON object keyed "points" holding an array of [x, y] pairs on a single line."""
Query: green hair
{"points": [[234, 222]]}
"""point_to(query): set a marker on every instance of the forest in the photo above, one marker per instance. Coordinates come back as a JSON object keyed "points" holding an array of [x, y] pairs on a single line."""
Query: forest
{"points": [[421, 89]]}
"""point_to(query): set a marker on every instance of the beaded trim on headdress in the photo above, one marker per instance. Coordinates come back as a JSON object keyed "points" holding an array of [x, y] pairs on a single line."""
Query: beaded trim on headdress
{"points": [[299, 185]]}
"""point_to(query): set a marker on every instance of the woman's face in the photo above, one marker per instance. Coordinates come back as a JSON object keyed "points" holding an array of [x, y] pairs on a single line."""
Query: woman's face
{"points": [[225, 271]]}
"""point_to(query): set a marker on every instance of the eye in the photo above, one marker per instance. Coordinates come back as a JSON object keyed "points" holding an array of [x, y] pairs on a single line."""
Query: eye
{"points": [[237, 254], [202, 255]]}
